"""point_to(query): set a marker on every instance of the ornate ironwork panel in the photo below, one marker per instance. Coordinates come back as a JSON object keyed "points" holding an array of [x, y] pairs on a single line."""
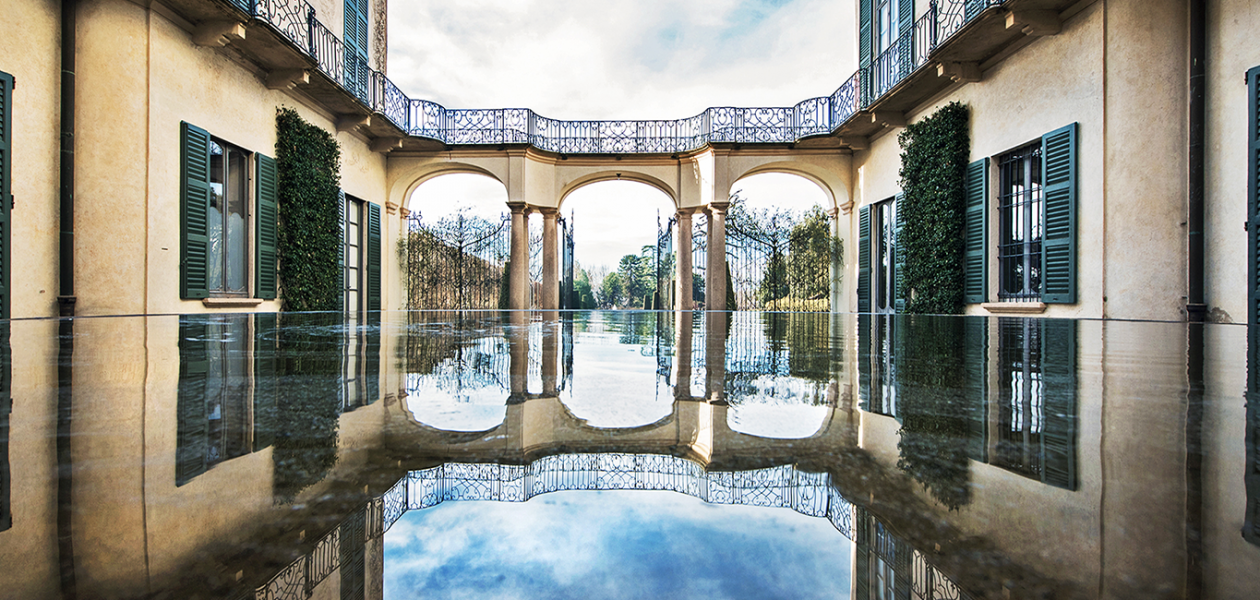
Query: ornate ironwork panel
{"points": [[294, 19], [846, 101], [288, 584], [328, 51], [457, 263], [812, 117]]}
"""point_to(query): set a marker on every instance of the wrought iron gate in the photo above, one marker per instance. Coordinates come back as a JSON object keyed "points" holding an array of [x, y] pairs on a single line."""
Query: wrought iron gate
{"points": [[459, 262], [567, 299], [663, 298], [779, 260]]}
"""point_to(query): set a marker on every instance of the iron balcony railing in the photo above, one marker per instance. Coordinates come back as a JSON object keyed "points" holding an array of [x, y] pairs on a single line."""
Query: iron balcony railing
{"points": [[297, 21]]}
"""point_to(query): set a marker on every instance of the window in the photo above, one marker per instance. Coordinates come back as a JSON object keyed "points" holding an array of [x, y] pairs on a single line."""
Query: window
{"points": [[879, 282], [1020, 209], [227, 225], [215, 218], [886, 29], [1036, 232]]}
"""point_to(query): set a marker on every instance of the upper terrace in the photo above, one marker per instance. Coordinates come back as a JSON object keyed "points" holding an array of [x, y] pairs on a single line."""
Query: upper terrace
{"points": [[951, 41]]}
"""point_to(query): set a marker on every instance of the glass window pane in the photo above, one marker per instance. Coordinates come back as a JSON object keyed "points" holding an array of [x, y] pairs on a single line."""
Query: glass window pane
{"points": [[236, 225], [214, 218]]}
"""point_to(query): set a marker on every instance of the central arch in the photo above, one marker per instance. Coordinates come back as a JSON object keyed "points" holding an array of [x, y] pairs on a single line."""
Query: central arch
{"points": [[617, 175]]}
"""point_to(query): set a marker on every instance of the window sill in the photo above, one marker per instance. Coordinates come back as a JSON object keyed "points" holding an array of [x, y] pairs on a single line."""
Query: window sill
{"points": [[1015, 308], [231, 302]]}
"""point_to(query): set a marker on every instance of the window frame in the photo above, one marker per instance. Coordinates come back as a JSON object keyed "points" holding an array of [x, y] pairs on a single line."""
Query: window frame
{"points": [[1028, 203], [246, 189]]}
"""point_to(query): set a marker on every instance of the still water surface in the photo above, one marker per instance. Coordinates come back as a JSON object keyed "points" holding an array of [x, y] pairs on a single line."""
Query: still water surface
{"points": [[627, 455]]}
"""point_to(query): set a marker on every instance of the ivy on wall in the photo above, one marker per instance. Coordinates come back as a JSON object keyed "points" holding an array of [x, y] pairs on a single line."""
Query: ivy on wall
{"points": [[308, 240], [933, 164]]}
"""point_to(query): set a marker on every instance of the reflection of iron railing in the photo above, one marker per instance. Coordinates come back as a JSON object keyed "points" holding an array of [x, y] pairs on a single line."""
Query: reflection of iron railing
{"points": [[296, 20]]}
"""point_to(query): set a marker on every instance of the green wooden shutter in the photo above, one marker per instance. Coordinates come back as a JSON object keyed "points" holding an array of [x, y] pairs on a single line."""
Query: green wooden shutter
{"points": [[1058, 375], [373, 266], [266, 379], [265, 226], [905, 37], [866, 42], [1253, 196], [6, 185], [1058, 255], [194, 193], [976, 245], [191, 426], [973, 8], [864, 259], [898, 256], [344, 206], [975, 352], [356, 45]]}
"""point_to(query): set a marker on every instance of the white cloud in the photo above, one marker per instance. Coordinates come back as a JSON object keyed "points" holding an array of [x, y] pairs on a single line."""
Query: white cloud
{"points": [[635, 59]]}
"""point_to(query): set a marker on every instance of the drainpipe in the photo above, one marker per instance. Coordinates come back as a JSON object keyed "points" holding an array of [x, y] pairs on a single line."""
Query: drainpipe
{"points": [[65, 297], [1196, 309]]}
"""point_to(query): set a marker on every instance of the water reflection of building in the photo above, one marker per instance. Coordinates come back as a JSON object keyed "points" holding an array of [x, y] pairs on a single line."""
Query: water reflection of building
{"points": [[1123, 523]]}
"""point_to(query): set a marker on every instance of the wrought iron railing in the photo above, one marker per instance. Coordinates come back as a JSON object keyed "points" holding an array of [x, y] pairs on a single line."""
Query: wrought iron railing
{"points": [[297, 21]]}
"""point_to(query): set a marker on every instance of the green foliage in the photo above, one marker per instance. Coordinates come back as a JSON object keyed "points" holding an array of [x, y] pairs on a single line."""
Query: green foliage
{"points": [[505, 295], [933, 164], [584, 297], [774, 280], [809, 259], [309, 245], [611, 290]]}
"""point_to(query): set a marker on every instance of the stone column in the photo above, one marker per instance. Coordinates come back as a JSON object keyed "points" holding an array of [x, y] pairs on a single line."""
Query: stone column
{"points": [[837, 269], [715, 278], [518, 278], [550, 299], [682, 286]]}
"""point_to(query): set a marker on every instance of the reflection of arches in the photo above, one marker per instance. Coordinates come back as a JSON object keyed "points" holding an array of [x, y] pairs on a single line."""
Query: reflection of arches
{"points": [[619, 175], [833, 188]]}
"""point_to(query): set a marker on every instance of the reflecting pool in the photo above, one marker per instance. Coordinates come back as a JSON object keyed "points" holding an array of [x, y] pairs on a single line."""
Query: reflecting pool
{"points": [[627, 455]]}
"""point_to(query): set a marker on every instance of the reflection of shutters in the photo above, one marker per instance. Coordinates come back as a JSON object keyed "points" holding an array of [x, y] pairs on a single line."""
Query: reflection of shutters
{"points": [[864, 260], [865, 331], [194, 193], [372, 360], [6, 407], [975, 352], [6, 192], [266, 382], [373, 267], [976, 244], [1253, 196], [265, 254], [898, 256], [1058, 257], [1058, 374], [1251, 478], [353, 538], [191, 427]]}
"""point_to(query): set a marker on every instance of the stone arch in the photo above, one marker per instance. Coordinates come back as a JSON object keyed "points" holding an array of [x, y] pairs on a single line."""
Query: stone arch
{"points": [[406, 183], [618, 175], [832, 186]]}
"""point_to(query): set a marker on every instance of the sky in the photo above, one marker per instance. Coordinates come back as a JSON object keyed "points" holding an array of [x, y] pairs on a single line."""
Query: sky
{"points": [[617, 59], [611, 545]]}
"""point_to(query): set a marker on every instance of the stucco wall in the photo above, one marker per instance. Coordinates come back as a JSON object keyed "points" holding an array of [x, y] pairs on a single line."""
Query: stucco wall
{"points": [[1232, 50], [141, 76], [31, 52]]}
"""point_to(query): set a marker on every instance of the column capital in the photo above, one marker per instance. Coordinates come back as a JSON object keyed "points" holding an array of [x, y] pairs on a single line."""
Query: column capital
{"points": [[518, 208], [548, 212], [403, 212], [847, 207], [718, 207], [391, 208], [689, 212]]}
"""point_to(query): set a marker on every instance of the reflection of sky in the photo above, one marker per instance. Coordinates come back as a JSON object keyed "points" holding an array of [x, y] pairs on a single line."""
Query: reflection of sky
{"points": [[462, 395], [616, 384], [594, 545]]}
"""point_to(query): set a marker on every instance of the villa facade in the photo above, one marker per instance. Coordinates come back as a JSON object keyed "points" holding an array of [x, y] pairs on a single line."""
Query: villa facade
{"points": [[1092, 193]]}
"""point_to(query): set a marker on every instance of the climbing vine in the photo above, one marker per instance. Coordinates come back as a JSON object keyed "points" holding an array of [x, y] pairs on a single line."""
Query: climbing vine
{"points": [[308, 240], [933, 165]]}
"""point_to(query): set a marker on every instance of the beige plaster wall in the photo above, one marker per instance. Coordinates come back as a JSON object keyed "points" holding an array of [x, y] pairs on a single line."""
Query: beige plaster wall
{"points": [[31, 53], [1232, 26], [141, 75]]}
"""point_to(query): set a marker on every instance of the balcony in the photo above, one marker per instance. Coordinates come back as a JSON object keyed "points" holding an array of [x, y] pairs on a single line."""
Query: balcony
{"points": [[954, 41]]}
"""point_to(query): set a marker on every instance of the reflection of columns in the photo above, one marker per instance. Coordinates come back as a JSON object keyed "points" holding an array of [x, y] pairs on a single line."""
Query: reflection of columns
{"points": [[683, 285], [518, 278], [518, 359], [682, 350], [715, 355], [715, 278], [550, 352], [550, 299], [837, 268]]}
